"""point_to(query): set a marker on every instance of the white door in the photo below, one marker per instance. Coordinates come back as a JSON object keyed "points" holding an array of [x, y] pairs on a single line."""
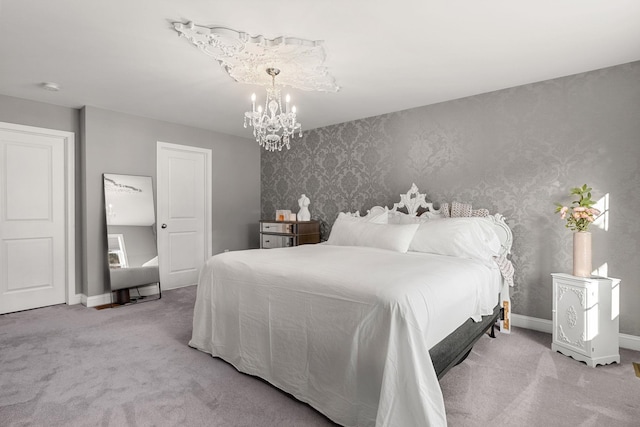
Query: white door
{"points": [[33, 235], [184, 213]]}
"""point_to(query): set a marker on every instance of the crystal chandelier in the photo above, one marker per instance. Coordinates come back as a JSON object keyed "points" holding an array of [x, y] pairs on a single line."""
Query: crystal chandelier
{"points": [[274, 126]]}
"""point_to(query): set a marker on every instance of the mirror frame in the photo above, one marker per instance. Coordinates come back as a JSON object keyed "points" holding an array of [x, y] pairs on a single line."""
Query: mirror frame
{"points": [[127, 198]]}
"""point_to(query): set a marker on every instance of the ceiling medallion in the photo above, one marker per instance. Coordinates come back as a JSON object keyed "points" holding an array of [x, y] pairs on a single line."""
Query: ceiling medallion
{"points": [[245, 58]]}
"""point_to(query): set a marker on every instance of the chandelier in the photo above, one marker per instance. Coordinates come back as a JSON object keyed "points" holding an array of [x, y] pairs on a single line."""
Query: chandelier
{"points": [[274, 126]]}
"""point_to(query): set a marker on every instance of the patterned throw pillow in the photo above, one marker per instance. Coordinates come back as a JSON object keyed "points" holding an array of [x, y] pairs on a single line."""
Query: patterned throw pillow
{"points": [[444, 210], [460, 210], [480, 213]]}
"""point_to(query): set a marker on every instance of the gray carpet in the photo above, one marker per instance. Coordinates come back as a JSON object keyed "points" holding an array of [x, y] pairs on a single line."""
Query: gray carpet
{"points": [[131, 366], [516, 380]]}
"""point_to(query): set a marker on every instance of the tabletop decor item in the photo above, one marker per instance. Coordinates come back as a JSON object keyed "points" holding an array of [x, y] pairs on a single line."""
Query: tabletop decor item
{"points": [[303, 213], [579, 216], [283, 214]]}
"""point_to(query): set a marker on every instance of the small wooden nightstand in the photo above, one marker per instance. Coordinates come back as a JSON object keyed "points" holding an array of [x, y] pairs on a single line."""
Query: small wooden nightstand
{"points": [[585, 318], [281, 234]]}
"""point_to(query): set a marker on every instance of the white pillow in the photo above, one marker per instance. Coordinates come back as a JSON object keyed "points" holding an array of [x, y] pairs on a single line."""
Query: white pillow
{"points": [[472, 238], [395, 237]]}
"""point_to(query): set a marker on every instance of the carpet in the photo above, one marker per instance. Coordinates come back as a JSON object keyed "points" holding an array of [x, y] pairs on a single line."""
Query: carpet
{"points": [[516, 380], [131, 366]]}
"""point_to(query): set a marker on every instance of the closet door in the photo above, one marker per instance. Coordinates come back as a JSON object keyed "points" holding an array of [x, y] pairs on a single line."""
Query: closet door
{"points": [[33, 233], [184, 213]]}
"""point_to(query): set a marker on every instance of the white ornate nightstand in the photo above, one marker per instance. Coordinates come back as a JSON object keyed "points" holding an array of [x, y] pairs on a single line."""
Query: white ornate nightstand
{"points": [[585, 318]]}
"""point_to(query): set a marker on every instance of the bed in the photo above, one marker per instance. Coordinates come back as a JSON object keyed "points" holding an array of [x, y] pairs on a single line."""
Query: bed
{"points": [[351, 326]]}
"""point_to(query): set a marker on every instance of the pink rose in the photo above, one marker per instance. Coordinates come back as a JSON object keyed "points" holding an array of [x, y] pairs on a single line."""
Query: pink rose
{"points": [[563, 212], [579, 209]]}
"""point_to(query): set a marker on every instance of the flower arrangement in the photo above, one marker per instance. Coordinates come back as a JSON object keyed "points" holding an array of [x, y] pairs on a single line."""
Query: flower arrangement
{"points": [[580, 216]]}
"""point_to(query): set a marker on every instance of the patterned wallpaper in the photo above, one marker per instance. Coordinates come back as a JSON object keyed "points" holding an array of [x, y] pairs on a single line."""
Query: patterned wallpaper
{"points": [[515, 151]]}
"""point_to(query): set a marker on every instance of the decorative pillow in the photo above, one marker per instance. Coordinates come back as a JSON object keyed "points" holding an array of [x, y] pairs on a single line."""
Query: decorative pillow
{"points": [[480, 212], [460, 209], [472, 238], [395, 237]]}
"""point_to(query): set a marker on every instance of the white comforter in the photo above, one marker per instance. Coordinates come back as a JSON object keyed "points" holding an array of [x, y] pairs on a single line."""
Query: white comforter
{"points": [[345, 329]]}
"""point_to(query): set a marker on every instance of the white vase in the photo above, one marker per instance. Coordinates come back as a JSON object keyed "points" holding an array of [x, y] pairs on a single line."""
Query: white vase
{"points": [[582, 254]]}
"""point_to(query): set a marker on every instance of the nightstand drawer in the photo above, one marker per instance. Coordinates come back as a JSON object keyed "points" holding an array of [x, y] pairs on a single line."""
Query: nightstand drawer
{"points": [[275, 227], [271, 241]]}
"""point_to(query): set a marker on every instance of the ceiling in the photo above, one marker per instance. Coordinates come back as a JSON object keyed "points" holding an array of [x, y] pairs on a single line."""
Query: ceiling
{"points": [[386, 56]]}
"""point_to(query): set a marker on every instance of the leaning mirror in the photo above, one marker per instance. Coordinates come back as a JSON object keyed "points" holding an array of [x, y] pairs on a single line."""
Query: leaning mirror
{"points": [[132, 252]]}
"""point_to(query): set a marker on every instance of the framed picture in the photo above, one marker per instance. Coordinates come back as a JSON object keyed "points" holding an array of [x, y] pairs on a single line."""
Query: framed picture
{"points": [[283, 215]]}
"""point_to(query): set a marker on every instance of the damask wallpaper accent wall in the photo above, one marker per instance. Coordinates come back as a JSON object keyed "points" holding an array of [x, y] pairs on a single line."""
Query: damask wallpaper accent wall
{"points": [[516, 151]]}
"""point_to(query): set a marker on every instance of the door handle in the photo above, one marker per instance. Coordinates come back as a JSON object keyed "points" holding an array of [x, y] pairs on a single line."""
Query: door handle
{"points": [[164, 225]]}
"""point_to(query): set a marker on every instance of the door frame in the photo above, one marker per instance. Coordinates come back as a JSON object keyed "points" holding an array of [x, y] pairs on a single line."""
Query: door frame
{"points": [[68, 139], [208, 202]]}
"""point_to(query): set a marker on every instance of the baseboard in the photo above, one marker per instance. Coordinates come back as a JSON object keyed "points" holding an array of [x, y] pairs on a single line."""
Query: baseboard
{"points": [[541, 325], [630, 342], [179, 286], [96, 300], [103, 299], [75, 299], [145, 291]]}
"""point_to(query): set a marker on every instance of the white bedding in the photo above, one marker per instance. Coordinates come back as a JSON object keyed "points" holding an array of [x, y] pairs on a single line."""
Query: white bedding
{"points": [[345, 329]]}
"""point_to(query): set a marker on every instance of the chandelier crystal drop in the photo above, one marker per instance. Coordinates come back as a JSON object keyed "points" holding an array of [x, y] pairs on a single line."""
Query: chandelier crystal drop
{"points": [[274, 126]]}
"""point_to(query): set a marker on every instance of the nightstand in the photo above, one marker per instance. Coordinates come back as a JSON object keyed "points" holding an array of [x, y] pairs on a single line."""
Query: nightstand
{"points": [[282, 234], [585, 318]]}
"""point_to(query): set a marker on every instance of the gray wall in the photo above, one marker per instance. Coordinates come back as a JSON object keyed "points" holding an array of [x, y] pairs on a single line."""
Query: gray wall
{"points": [[515, 151], [118, 143], [124, 144], [38, 114]]}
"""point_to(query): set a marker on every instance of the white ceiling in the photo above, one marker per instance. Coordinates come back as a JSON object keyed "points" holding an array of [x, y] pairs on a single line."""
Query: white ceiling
{"points": [[124, 55]]}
